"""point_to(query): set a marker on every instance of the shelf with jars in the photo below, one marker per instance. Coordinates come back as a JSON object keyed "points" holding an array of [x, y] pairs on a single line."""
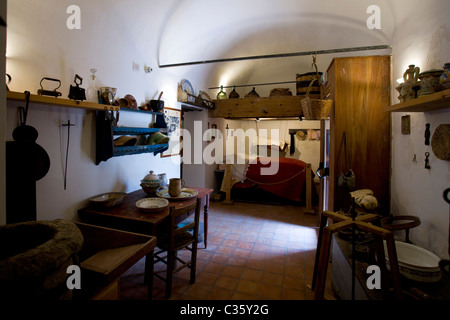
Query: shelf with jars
{"points": [[258, 107], [106, 130], [423, 92], [278, 105], [432, 102]]}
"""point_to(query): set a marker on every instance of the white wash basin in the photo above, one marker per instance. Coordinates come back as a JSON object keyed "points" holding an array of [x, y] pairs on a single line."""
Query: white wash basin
{"points": [[416, 263]]}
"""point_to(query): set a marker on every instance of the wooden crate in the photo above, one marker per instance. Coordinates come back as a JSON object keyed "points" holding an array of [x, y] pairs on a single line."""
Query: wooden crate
{"points": [[106, 255]]}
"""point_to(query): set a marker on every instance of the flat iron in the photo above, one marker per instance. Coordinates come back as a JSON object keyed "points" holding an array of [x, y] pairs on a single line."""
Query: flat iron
{"points": [[53, 93], [77, 93]]}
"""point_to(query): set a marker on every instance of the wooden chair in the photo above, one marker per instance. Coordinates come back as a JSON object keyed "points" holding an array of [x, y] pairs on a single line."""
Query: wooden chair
{"points": [[174, 238]]}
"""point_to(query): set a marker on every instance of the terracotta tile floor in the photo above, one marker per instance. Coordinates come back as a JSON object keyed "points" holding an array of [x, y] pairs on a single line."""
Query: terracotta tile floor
{"points": [[254, 251]]}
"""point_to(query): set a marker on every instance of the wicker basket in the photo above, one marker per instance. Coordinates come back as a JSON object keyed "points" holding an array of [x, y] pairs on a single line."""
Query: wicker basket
{"points": [[316, 109]]}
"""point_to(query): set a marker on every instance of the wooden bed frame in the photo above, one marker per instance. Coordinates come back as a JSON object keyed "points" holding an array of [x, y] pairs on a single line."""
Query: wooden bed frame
{"points": [[308, 207]]}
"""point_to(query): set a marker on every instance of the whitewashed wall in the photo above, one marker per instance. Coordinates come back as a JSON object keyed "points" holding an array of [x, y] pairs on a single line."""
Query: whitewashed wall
{"points": [[118, 40], [422, 38]]}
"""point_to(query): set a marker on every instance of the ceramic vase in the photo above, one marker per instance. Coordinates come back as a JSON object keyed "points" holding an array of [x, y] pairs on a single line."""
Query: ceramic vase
{"points": [[410, 78], [445, 77], [429, 81]]}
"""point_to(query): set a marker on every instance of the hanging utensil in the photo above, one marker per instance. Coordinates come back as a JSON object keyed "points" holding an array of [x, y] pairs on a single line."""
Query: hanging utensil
{"points": [[104, 136], [28, 133], [68, 125], [8, 81], [26, 163]]}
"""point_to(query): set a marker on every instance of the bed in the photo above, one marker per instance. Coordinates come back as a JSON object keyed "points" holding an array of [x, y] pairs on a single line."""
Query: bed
{"points": [[292, 181]]}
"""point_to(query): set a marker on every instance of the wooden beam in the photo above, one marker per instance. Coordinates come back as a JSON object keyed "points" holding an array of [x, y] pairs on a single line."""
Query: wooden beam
{"points": [[267, 107]]}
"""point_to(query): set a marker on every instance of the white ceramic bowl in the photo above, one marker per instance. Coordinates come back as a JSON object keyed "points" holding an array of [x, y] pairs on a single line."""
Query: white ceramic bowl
{"points": [[109, 199], [152, 204], [416, 263]]}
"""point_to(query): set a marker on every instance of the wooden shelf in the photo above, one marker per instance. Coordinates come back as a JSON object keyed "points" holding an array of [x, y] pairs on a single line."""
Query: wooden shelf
{"points": [[436, 101], [34, 98], [136, 131], [268, 107], [142, 111], [106, 148], [126, 151]]}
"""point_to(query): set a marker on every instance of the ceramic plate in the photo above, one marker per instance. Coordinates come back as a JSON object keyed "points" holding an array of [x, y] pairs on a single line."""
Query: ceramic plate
{"points": [[109, 199], [205, 96], [186, 193], [132, 104], [187, 86], [152, 204]]}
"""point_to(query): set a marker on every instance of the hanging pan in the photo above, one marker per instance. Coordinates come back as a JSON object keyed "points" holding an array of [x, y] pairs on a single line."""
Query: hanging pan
{"points": [[26, 136]]}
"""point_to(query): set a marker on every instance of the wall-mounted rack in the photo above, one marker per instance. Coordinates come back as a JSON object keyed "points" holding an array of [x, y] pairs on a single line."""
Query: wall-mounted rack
{"points": [[193, 103]]}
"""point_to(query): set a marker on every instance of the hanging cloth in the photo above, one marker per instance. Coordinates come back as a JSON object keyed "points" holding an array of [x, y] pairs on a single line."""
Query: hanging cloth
{"points": [[104, 136]]}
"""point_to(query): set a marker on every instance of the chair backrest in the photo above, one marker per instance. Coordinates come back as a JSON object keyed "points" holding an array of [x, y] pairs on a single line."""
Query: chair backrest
{"points": [[178, 215]]}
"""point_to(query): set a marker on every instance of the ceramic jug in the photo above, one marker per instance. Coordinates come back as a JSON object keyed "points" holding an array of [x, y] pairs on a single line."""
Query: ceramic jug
{"points": [[163, 178], [410, 78], [175, 186]]}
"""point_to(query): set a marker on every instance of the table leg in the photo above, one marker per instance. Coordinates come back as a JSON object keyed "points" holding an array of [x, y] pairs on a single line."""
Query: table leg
{"points": [[323, 224], [148, 274], [205, 220]]}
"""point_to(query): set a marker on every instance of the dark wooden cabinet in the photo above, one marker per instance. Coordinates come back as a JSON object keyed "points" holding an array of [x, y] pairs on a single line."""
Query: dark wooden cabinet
{"points": [[360, 88]]}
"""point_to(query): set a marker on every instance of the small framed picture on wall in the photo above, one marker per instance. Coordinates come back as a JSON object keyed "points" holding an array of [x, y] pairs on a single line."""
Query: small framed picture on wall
{"points": [[173, 121]]}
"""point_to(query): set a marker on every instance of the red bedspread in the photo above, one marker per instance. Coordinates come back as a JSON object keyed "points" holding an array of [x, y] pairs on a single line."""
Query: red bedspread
{"points": [[288, 182]]}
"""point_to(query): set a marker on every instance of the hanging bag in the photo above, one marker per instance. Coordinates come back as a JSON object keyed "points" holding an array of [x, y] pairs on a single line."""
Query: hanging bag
{"points": [[346, 180]]}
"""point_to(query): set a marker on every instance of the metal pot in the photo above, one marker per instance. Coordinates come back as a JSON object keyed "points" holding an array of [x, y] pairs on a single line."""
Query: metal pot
{"points": [[157, 105]]}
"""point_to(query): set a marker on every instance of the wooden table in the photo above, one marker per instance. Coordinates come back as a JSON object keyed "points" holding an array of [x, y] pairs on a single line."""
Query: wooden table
{"points": [[128, 217]]}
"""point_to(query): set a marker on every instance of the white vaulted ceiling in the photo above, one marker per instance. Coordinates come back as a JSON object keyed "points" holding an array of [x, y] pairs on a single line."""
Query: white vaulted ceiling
{"points": [[207, 30], [117, 34]]}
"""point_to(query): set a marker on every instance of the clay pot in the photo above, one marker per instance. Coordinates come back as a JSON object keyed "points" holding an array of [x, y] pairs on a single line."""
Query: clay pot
{"points": [[151, 183], [429, 81]]}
